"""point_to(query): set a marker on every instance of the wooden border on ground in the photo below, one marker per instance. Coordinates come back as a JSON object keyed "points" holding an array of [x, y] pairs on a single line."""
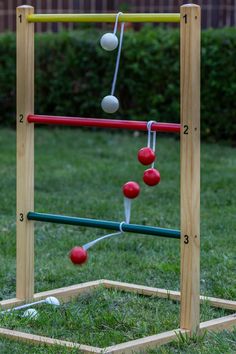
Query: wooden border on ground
{"points": [[67, 293], [36, 339], [167, 294]]}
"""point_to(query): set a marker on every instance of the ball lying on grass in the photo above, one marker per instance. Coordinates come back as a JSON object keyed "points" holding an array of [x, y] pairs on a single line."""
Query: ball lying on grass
{"points": [[51, 300], [30, 313], [78, 255]]}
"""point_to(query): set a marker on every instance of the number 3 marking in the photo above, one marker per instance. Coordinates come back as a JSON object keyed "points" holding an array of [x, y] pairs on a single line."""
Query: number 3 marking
{"points": [[186, 241]]}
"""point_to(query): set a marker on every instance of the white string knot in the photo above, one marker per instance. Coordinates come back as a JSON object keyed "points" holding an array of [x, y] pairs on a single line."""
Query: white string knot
{"points": [[121, 226], [120, 232], [149, 125], [116, 21]]}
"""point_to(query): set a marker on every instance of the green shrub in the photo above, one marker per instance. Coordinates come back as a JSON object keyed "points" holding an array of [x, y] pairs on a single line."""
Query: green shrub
{"points": [[73, 74]]}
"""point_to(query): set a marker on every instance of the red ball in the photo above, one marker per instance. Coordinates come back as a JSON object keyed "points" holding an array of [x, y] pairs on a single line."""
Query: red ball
{"points": [[78, 255], [131, 190], [151, 177], [146, 156]]}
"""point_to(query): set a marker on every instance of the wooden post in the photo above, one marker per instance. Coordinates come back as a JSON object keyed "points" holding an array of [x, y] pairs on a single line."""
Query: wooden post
{"points": [[25, 154], [190, 30]]}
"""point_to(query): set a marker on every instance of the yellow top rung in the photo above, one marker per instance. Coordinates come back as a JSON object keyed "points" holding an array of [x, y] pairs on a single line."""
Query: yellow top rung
{"points": [[128, 17]]}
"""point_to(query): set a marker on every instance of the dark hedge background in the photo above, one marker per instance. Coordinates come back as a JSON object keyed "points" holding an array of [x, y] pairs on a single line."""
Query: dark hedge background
{"points": [[73, 74]]}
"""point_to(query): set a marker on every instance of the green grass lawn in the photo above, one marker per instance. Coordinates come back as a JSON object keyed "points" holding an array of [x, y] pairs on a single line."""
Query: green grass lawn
{"points": [[80, 173]]}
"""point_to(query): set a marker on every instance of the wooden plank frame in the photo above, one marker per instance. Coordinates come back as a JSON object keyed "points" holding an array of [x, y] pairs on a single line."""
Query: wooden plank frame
{"points": [[190, 33], [25, 155], [189, 295], [67, 293]]}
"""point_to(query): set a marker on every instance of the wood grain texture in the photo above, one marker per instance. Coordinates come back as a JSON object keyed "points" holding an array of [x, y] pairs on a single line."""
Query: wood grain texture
{"points": [[166, 293], [142, 344], [219, 324], [67, 293], [35, 339], [142, 290], [25, 155], [190, 166], [9, 303]]}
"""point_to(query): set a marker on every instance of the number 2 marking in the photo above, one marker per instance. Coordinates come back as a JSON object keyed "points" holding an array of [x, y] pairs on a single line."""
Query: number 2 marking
{"points": [[21, 118], [186, 129]]}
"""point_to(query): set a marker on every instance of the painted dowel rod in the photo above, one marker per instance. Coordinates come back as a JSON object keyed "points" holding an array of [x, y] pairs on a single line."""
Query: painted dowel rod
{"points": [[103, 123], [128, 17], [104, 224]]}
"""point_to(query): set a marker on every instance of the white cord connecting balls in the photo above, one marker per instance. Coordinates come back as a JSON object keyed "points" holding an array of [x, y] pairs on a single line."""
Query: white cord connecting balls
{"points": [[147, 156], [31, 313], [109, 42], [78, 255]]}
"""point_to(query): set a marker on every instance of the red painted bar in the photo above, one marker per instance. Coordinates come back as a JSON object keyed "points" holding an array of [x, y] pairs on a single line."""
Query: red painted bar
{"points": [[103, 123]]}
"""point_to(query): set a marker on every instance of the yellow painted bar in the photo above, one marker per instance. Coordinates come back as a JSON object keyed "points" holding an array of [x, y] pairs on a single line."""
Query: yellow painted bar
{"points": [[128, 17]]}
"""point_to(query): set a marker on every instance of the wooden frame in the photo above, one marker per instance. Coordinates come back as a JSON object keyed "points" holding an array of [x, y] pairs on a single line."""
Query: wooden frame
{"points": [[190, 29], [70, 292], [189, 296], [25, 154]]}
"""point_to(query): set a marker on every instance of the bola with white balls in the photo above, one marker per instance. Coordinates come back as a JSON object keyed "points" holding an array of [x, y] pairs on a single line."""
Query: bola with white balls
{"points": [[109, 41]]}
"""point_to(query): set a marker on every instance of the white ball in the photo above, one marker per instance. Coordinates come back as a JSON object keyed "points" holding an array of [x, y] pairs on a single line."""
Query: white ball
{"points": [[31, 313], [51, 300], [110, 104], [109, 41]]}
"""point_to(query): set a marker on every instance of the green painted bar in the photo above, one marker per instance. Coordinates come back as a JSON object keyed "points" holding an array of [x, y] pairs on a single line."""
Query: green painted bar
{"points": [[104, 224]]}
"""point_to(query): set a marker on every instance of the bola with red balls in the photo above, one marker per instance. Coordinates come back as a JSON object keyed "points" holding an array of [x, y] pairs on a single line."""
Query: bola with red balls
{"points": [[131, 190], [146, 156], [151, 177], [78, 255]]}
